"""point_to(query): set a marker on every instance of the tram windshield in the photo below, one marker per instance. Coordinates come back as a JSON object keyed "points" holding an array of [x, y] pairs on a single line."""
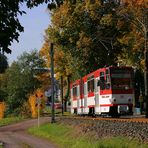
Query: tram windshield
{"points": [[121, 79]]}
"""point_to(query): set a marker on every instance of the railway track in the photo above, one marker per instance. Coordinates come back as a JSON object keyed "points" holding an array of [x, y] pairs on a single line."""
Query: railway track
{"points": [[132, 127], [138, 119]]}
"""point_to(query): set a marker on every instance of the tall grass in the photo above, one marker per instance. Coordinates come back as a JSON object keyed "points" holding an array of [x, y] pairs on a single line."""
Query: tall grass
{"points": [[9, 120], [67, 137]]}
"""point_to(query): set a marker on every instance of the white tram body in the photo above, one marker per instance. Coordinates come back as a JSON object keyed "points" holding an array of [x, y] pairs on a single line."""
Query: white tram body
{"points": [[107, 90]]}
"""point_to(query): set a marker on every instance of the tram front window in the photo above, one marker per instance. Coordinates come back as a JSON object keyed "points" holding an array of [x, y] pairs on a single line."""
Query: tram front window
{"points": [[121, 80], [121, 83]]}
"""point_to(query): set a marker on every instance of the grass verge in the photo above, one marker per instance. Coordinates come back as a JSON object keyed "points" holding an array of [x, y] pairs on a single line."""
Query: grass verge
{"points": [[67, 137], [9, 120]]}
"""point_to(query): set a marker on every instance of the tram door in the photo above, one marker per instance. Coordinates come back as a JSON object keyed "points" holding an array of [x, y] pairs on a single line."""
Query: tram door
{"points": [[78, 99], [97, 91], [85, 98], [82, 96]]}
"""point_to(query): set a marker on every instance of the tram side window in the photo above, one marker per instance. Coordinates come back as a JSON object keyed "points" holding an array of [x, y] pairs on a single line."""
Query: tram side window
{"points": [[74, 91], [82, 87], [85, 89], [107, 80], [102, 81], [91, 86]]}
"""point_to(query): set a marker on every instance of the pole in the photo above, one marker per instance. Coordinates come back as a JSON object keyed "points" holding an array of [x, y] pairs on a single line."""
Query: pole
{"points": [[146, 80], [146, 61], [38, 112], [62, 95], [52, 82]]}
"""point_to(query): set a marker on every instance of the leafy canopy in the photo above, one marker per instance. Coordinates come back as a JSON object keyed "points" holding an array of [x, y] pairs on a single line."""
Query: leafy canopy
{"points": [[10, 26], [89, 31], [134, 41]]}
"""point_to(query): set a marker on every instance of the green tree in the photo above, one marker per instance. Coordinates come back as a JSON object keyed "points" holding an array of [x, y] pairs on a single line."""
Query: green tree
{"points": [[10, 26], [3, 63], [9, 23], [3, 87], [21, 80]]}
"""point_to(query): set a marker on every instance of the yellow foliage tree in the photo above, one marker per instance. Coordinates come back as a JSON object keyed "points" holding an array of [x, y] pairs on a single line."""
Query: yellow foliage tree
{"points": [[62, 61], [2, 109], [33, 101], [44, 52], [137, 3]]}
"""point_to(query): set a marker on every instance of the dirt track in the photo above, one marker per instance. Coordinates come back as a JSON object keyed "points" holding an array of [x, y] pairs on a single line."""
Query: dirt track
{"points": [[15, 136]]}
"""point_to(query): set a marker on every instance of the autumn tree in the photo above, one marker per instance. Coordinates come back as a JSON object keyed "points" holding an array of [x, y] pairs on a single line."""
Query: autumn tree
{"points": [[135, 12], [96, 33], [89, 31], [83, 33]]}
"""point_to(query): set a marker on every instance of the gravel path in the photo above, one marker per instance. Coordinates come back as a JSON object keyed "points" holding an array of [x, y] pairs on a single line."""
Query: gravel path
{"points": [[15, 135]]}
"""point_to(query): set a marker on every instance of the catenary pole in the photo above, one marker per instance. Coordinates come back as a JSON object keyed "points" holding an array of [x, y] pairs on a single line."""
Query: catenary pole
{"points": [[146, 59], [52, 82], [62, 95]]}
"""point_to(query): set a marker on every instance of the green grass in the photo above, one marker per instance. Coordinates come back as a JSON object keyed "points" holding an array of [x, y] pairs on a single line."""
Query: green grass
{"points": [[24, 145], [9, 120], [120, 142], [1, 146], [58, 112], [67, 137], [47, 109]]}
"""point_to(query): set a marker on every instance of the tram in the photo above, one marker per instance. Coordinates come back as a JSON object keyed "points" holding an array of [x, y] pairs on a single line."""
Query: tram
{"points": [[107, 90]]}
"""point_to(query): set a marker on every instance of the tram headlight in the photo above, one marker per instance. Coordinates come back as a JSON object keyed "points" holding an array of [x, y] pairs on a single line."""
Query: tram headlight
{"points": [[130, 100], [126, 87], [113, 100]]}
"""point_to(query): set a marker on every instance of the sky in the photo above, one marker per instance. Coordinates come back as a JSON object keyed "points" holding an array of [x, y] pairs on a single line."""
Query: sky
{"points": [[34, 22]]}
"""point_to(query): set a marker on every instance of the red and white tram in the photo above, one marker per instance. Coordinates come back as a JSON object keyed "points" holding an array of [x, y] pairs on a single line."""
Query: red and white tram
{"points": [[107, 90]]}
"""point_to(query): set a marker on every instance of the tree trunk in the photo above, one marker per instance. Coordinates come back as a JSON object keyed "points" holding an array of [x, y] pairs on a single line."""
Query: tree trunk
{"points": [[66, 98]]}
